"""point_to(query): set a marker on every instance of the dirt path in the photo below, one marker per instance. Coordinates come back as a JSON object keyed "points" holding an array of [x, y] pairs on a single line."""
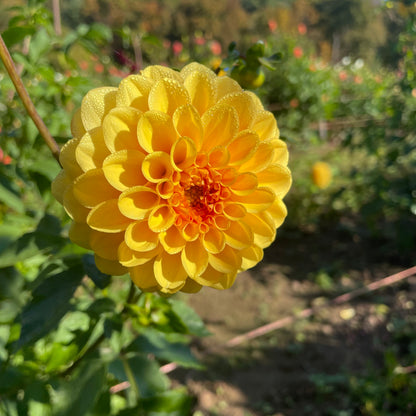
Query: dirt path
{"points": [[279, 373]]}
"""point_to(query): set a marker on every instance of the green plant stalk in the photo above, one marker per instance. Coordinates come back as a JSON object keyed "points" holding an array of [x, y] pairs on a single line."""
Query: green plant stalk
{"points": [[134, 390], [27, 102]]}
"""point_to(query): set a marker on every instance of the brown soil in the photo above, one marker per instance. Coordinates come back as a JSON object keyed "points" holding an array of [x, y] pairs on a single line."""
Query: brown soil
{"points": [[271, 375]]}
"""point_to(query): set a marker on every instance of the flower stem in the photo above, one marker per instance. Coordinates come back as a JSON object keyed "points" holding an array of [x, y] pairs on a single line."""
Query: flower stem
{"points": [[27, 102]]}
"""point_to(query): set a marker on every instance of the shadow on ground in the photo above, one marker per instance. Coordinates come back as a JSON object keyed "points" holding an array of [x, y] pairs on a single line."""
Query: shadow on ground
{"points": [[303, 368]]}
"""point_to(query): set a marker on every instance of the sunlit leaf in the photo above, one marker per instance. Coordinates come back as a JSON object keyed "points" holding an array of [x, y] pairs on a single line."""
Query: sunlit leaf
{"points": [[49, 304]]}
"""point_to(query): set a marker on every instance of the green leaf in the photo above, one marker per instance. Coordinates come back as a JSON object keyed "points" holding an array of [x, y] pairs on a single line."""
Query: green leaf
{"points": [[8, 311], [189, 317], [49, 304], [78, 395], [44, 239], [169, 403], [100, 279], [16, 34], [10, 199], [21, 249], [11, 284], [153, 342], [39, 45], [144, 372], [255, 51], [47, 167]]}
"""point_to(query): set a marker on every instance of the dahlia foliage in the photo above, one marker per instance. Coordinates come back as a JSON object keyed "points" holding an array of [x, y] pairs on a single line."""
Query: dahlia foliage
{"points": [[174, 177]]}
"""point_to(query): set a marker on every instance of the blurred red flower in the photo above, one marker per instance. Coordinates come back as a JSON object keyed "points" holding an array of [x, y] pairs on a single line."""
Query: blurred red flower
{"points": [[99, 68], [215, 47], [302, 29], [297, 52], [272, 25], [343, 76], [177, 47]]}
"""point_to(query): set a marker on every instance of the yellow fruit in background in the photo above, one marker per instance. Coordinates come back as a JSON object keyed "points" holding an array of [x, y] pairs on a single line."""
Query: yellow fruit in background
{"points": [[321, 174]]}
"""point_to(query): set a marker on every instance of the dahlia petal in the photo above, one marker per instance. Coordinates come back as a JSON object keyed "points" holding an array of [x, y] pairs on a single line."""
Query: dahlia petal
{"points": [[169, 272], [256, 100], [243, 147], [106, 217], [111, 267], [194, 258], [191, 286], [220, 126], [95, 105], [91, 150], [262, 227], [228, 176], [221, 222], [234, 211], [77, 128], [130, 258], [196, 67], [213, 240], [202, 90], [278, 212], [67, 158], [264, 124], [225, 282], [92, 188], [103, 244], [258, 200], [137, 202], [79, 233], [244, 184], [227, 85], [250, 256], [280, 152], [123, 169], [161, 218], [218, 157], [165, 188], [188, 123], [183, 153], [191, 231], [155, 132], [156, 72], [156, 167], [227, 261], [139, 237], [244, 105], [120, 129], [167, 95], [133, 91], [143, 276], [209, 277], [261, 159], [172, 240], [59, 185], [277, 178], [72, 207], [238, 235]]}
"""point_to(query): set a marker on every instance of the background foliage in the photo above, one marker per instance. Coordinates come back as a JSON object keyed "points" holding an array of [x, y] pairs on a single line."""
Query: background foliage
{"points": [[342, 91]]}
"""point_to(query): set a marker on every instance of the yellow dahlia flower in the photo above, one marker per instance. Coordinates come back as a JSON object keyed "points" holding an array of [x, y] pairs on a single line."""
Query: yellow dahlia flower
{"points": [[174, 177], [321, 174]]}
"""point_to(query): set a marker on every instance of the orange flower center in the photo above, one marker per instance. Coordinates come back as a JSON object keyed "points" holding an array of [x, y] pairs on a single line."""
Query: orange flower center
{"points": [[199, 196]]}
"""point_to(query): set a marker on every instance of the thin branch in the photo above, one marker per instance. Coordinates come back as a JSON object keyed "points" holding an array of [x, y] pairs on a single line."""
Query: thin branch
{"points": [[27, 102], [57, 17], [280, 323], [306, 313]]}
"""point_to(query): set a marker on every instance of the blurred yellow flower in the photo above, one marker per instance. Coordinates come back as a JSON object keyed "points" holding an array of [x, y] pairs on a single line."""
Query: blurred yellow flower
{"points": [[174, 177], [321, 174]]}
